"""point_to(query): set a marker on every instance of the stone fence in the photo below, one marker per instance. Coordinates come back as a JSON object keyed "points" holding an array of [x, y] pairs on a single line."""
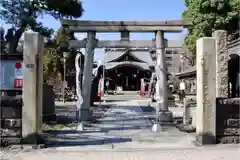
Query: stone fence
{"points": [[229, 47], [228, 120], [217, 116], [11, 115], [216, 113]]}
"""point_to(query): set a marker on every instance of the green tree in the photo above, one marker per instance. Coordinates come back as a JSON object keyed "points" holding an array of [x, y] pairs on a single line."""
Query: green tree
{"points": [[53, 54], [205, 16], [23, 14]]}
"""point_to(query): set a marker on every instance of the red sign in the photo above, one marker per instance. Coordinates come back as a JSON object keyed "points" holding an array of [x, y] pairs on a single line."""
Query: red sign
{"points": [[18, 83], [18, 65]]}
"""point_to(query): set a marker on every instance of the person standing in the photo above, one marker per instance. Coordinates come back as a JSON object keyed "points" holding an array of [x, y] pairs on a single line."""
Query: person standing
{"points": [[101, 87], [182, 88], [107, 85], [238, 85]]}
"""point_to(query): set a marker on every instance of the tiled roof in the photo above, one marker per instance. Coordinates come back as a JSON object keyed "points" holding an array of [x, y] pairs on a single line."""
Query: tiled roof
{"points": [[112, 65], [143, 55], [187, 72]]}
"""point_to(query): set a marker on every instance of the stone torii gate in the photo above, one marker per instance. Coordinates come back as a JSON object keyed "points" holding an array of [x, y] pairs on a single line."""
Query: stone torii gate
{"points": [[124, 27]]}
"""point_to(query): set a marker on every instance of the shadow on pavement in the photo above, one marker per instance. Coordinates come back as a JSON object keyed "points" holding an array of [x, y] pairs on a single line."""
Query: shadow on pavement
{"points": [[108, 118], [67, 114], [114, 100], [108, 129], [66, 142], [66, 132], [147, 109]]}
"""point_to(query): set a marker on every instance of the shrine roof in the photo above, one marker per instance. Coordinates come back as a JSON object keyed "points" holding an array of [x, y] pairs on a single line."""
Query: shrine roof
{"points": [[190, 72], [112, 65], [142, 55]]}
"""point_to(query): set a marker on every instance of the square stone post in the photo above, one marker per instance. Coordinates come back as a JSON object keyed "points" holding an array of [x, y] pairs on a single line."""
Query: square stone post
{"points": [[186, 111], [222, 58], [84, 112], [161, 86], [32, 87], [206, 91]]}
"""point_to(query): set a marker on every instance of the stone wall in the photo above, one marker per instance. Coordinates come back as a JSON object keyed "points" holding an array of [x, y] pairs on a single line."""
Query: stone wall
{"points": [[11, 115], [228, 120], [221, 63]]}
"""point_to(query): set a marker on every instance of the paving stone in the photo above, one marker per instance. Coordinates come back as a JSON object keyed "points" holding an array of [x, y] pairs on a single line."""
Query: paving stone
{"points": [[120, 153], [123, 123]]}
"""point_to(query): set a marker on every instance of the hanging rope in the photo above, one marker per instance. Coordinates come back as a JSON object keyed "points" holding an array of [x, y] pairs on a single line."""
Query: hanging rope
{"points": [[78, 85]]}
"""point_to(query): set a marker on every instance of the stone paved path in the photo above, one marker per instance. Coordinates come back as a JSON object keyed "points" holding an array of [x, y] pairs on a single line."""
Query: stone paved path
{"points": [[125, 96], [124, 132], [126, 124], [204, 153]]}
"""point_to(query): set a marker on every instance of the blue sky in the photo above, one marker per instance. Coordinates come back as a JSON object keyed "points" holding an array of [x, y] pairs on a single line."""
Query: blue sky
{"points": [[125, 10]]}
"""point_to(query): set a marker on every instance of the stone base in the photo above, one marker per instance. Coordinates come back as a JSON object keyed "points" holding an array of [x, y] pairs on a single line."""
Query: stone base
{"points": [[205, 139], [165, 116], [156, 127], [80, 127]]}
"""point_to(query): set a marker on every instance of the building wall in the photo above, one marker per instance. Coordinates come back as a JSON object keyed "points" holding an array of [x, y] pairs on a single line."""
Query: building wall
{"points": [[173, 61]]}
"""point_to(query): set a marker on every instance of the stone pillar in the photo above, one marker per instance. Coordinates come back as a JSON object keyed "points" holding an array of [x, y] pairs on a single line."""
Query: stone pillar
{"points": [[32, 87], [186, 111], [206, 91], [84, 112], [221, 63], [161, 86]]}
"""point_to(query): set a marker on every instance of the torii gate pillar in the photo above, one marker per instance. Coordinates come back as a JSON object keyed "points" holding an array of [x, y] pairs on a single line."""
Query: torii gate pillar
{"points": [[161, 87], [84, 111]]}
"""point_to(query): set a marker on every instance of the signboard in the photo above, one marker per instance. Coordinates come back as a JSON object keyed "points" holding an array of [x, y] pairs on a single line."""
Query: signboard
{"points": [[18, 83], [11, 72], [29, 65], [18, 70]]}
